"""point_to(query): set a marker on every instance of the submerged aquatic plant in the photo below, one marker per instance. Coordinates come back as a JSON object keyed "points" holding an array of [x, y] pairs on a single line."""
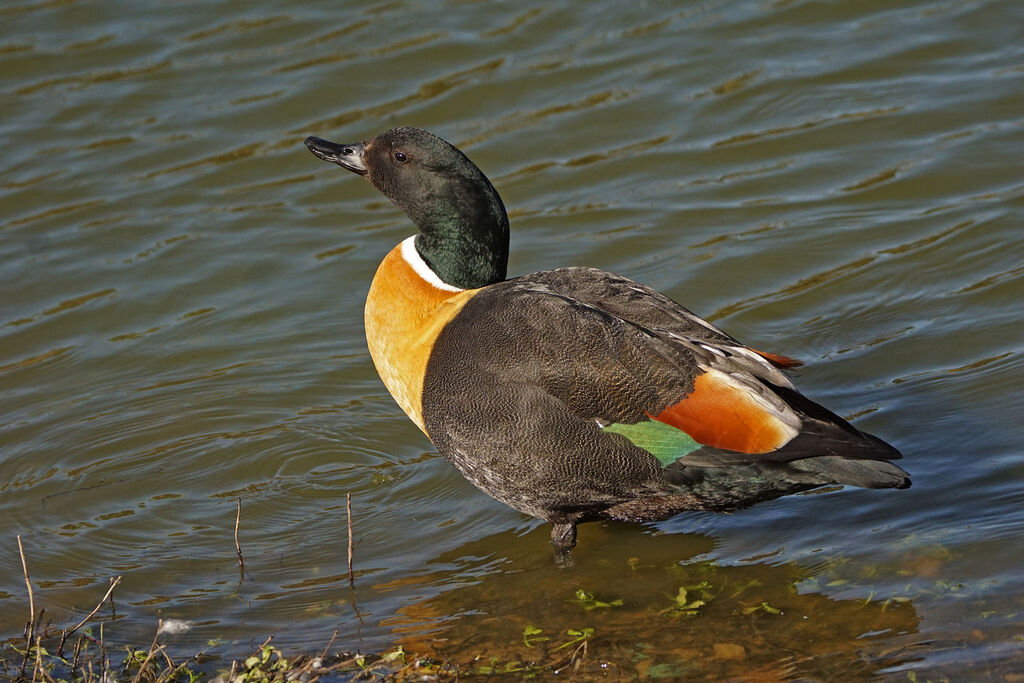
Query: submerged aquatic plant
{"points": [[689, 599], [531, 635], [763, 607], [589, 602], [579, 635]]}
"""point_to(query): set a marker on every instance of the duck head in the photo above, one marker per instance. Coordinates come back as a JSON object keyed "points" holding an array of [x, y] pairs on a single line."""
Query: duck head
{"points": [[463, 227]]}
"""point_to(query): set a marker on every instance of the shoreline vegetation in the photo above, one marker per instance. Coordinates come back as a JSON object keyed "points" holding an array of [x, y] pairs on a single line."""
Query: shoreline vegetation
{"points": [[89, 659], [749, 620], [80, 653], [52, 654], [86, 652]]}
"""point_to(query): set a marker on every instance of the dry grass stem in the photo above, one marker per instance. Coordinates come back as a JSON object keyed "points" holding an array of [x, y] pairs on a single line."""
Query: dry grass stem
{"points": [[113, 607], [312, 661], [348, 509], [238, 548], [39, 660], [30, 627], [77, 654], [323, 655], [329, 643], [152, 650], [95, 609], [28, 584]]}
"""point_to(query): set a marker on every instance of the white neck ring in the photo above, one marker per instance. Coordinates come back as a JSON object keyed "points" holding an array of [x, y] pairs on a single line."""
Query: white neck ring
{"points": [[413, 258]]}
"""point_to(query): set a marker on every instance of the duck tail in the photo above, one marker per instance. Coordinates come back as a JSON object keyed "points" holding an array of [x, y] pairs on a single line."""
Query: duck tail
{"points": [[869, 474]]}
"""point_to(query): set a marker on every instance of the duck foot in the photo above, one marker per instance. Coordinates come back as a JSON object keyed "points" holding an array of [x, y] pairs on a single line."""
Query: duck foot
{"points": [[563, 538], [563, 535]]}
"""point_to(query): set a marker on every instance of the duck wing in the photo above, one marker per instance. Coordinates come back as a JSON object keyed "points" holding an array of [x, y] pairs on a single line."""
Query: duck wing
{"points": [[601, 388]]}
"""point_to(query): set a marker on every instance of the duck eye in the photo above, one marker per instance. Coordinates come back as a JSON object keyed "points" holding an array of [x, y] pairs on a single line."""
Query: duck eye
{"points": [[401, 158]]}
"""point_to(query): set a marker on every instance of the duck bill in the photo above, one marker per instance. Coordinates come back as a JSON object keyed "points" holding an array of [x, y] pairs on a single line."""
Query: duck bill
{"points": [[348, 156]]}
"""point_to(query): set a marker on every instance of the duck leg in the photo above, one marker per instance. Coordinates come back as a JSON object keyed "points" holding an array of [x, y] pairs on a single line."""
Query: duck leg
{"points": [[563, 538], [563, 535]]}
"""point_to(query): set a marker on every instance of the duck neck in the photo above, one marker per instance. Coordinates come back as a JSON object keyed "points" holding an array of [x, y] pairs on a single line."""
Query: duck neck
{"points": [[465, 241]]}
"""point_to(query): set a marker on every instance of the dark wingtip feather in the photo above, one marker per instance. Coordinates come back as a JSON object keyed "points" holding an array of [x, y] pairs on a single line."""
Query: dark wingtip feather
{"points": [[885, 449], [869, 474]]}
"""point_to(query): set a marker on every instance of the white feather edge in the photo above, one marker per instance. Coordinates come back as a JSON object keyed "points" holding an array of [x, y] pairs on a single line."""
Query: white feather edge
{"points": [[761, 396], [413, 258]]}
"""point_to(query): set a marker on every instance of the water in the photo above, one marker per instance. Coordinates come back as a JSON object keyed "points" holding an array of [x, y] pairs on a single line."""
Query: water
{"points": [[180, 322]]}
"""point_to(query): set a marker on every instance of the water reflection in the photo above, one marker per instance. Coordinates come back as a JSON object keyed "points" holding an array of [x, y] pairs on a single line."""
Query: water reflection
{"points": [[656, 607]]}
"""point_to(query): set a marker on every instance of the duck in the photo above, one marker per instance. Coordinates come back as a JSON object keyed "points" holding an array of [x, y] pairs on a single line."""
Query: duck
{"points": [[576, 395]]}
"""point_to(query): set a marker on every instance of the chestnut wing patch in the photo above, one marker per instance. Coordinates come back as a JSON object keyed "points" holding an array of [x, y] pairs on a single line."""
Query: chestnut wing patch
{"points": [[722, 412]]}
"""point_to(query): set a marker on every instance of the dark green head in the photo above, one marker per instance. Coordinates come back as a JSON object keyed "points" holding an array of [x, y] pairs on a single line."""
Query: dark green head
{"points": [[462, 222]]}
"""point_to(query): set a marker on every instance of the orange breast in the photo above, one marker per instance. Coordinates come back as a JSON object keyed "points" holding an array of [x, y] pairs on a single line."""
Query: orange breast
{"points": [[404, 314]]}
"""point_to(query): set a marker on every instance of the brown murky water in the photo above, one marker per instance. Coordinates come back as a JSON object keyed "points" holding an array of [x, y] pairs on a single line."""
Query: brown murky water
{"points": [[180, 322]]}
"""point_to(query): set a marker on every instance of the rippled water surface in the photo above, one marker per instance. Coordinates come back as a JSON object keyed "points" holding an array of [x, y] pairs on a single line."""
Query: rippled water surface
{"points": [[181, 320]]}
